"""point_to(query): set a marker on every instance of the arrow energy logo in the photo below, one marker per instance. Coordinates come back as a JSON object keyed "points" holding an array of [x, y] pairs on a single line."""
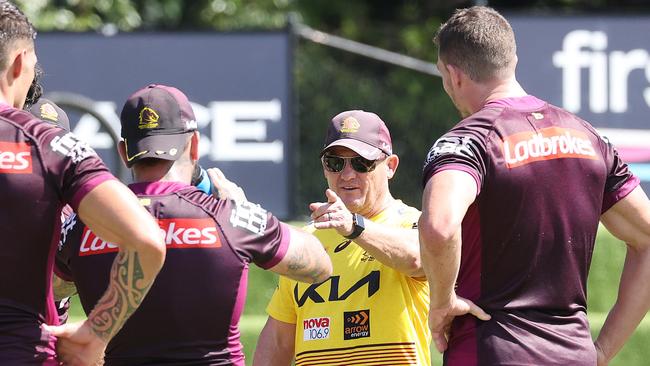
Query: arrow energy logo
{"points": [[356, 324]]}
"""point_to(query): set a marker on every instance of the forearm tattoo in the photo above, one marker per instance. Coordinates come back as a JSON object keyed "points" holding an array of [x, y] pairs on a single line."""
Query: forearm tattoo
{"points": [[301, 265], [125, 292]]}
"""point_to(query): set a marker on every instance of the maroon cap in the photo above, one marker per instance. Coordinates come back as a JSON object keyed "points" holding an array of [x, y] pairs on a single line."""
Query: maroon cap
{"points": [[155, 122], [48, 111], [363, 132]]}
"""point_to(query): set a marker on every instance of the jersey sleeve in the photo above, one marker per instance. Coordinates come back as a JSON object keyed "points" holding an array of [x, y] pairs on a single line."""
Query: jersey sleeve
{"points": [[620, 180], [72, 164], [255, 233], [462, 148], [282, 307]]}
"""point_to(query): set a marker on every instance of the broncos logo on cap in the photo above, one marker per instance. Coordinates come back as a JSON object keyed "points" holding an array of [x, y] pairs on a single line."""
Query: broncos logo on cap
{"points": [[48, 112], [148, 118], [349, 125]]}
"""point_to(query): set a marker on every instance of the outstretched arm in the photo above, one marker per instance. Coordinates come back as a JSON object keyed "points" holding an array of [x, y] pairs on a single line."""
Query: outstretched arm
{"points": [[629, 221], [305, 260], [275, 347], [396, 247]]}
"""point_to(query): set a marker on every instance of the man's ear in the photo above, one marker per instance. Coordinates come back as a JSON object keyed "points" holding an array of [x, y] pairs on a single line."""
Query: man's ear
{"points": [[17, 64], [121, 149], [194, 146], [456, 75], [392, 162]]}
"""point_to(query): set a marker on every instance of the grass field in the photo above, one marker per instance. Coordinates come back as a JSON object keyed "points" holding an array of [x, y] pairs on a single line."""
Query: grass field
{"points": [[602, 288]]}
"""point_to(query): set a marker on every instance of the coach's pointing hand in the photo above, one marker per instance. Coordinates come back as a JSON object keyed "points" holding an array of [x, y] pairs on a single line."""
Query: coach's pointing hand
{"points": [[332, 214]]}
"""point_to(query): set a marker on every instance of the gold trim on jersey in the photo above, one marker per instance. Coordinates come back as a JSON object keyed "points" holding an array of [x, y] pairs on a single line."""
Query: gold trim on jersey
{"points": [[384, 354]]}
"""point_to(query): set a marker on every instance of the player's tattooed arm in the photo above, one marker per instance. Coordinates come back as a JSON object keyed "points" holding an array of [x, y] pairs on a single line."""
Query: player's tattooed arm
{"points": [[306, 260], [62, 288], [126, 290], [115, 215], [302, 266]]}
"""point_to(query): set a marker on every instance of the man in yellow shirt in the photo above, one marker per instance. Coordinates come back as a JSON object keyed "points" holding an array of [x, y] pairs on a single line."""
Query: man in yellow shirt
{"points": [[373, 310]]}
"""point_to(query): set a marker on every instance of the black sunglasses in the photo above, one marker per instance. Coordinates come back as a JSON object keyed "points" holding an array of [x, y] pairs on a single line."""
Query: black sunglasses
{"points": [[335, 164]]}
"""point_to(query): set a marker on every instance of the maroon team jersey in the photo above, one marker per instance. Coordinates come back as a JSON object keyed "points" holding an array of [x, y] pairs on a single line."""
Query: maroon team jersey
{"points": [[191, 313], [544, 178], [42, 167]]}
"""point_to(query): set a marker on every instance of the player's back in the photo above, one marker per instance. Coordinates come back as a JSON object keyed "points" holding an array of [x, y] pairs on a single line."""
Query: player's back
{"points": [[547, 172], [38, 175], [191, 313], [545, 177]]}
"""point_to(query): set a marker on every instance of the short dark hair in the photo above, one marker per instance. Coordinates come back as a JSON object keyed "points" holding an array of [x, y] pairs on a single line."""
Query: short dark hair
{"points": [[35, 91], [14, 26], [479, 41]]}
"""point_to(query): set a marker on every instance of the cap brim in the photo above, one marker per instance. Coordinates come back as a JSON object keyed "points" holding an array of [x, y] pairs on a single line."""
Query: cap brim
{"points": [[166, 147], [359, 147]]}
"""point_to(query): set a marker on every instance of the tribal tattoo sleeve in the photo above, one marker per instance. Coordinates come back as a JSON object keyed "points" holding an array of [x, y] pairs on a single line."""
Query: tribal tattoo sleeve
{"points": [[126, 290]]}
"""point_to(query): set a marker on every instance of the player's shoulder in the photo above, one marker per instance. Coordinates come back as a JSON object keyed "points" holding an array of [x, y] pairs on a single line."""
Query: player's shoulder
{"points": [[242, 219], [201, 201], [482, 119], [195, 195], [16, 116], [564, 118], [49, 139], [30, 125], [476, 127], [56, 148]]}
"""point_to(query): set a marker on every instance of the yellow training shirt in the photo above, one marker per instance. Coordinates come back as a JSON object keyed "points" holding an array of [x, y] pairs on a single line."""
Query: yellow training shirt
{"points": [[366, 313]]}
